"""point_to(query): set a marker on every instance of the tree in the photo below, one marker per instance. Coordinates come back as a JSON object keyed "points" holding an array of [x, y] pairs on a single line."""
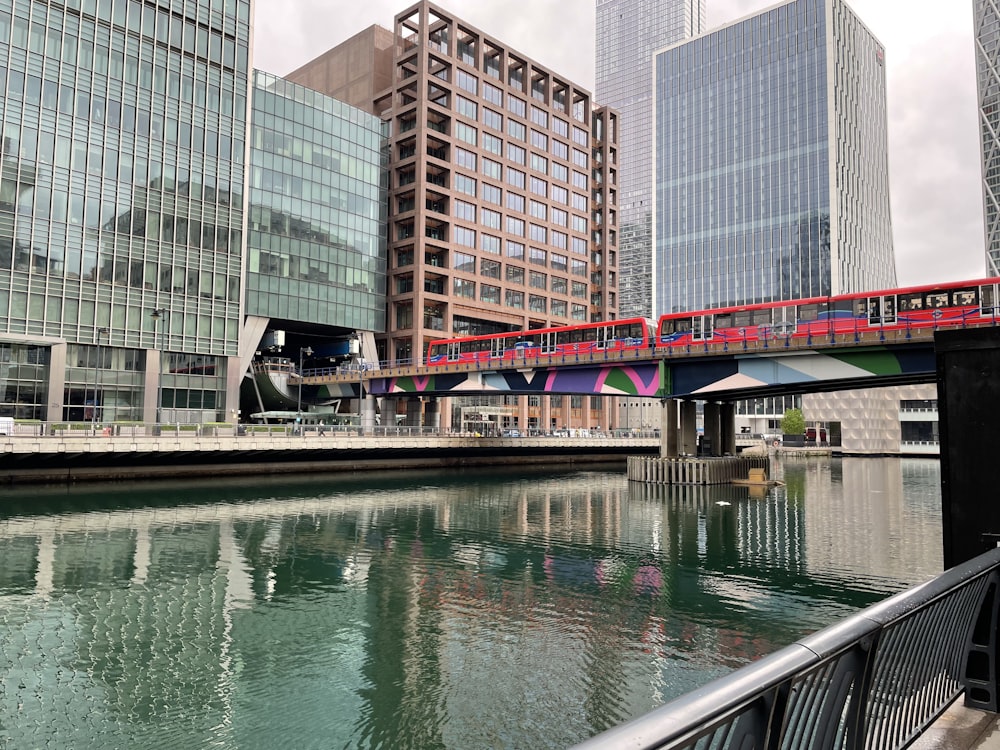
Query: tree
{"points": [[793, 423]]}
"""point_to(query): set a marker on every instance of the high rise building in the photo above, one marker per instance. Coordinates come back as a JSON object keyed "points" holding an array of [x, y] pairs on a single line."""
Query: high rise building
{"points": [[771, 161], [502, 186], [130, 286], [629, 32], [121, 208], [987, 24], [316, 225]]}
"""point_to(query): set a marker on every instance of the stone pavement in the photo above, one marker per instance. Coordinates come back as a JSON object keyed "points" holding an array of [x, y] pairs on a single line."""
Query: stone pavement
{"points": [[961, 728]]}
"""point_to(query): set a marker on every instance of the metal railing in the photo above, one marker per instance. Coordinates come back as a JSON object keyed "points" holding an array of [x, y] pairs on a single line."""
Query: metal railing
{"points": [[875, 680]]}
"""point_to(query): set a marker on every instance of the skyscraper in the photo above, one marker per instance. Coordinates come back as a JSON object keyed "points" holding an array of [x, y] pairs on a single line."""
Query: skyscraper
{"points": [[987, 24], [771, 161], [502, 212], [629, 32], [121, 208]]}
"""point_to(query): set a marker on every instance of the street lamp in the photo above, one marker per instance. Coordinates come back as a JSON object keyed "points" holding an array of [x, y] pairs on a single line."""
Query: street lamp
{"points": [[304, 352], [97, 385], [157, 315]]}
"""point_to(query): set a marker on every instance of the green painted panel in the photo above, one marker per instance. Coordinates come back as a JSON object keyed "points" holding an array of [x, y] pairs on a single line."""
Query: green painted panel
{"points": [[620, 380], [875, 361]]}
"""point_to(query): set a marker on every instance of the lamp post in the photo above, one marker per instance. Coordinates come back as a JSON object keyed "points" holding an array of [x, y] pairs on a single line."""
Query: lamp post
{"points": [[97, 365], [304, 352], [361, 396], [159, 314]]}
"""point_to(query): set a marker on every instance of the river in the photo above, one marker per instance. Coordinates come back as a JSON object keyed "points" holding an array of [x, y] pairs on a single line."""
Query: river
{"points": [[417, 610]]}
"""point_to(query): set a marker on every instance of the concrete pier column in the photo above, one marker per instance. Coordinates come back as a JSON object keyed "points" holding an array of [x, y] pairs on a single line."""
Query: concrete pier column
{"points": [[688, 445], [713, 431], [432, 414], [668, 428], [367, 414], [545, 414], [413, 411], [727, 422]]}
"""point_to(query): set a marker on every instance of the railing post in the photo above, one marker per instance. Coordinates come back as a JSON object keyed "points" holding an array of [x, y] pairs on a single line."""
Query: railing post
{"points": [[980, 674]]}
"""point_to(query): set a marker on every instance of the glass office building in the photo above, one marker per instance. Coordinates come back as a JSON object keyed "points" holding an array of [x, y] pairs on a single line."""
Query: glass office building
{"points": [[987, 24], [122, 191], [317, 212], [629, 32], [771, 176]]}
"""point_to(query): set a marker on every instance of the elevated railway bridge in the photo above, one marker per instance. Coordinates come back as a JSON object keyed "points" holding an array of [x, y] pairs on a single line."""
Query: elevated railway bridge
{"points": [[718, 374]]}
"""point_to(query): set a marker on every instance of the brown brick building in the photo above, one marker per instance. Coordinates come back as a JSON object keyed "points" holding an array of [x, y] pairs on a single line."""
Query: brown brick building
{"points": [[502, 192]]}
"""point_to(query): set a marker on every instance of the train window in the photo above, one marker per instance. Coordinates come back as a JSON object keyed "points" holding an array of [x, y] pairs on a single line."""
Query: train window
{"points": [[986, 298], [589, 334], [808, 312], [723, 321], [964, 297], [861, 308], [741, 319], [874, 309], [682, 325], [910, 302], [889, 309], [937, 299], [761, 317]]}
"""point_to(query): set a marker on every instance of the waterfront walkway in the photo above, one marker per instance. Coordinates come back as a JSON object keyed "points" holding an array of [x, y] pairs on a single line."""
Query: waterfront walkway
{"points": [[961, 728]]}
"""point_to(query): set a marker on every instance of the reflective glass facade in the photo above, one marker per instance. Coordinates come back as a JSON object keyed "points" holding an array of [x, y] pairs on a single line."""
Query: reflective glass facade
{"points": [[317, 209], [987, 24], [122, 190], [629, 32], [771, 163]]}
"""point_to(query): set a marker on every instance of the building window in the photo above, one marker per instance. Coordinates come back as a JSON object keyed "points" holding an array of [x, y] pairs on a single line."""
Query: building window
{"points": [[559, 285], [515, 249], [537, 303], [515, 299], [489, 268], [464, 262], [489, 293], [559, 308], [538, 280], [515, 274], [537, 256], [489, 243], [464, 288]]}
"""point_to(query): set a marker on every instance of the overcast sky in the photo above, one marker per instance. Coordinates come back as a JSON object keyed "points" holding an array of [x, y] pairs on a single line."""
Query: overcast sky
{"points": [[934, 158]]}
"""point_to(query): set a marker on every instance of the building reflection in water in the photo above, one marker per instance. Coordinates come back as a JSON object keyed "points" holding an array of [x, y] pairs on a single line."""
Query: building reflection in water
{"points": [[451, 612]]}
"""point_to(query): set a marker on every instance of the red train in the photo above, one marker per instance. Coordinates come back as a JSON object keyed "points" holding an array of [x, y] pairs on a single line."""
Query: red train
{"points": [[584, 338], [953, 304], [930, 306]]}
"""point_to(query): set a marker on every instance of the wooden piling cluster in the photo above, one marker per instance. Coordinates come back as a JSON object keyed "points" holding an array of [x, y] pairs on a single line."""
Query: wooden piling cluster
{"points": [[692, 470]]}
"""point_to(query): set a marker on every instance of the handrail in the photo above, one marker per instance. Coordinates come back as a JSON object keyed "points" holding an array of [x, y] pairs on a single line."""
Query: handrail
{"points": [[876, 679]]}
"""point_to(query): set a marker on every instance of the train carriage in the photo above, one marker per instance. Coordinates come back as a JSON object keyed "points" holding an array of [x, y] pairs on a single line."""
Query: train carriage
{"points": [[961, 303], [583, 338]]}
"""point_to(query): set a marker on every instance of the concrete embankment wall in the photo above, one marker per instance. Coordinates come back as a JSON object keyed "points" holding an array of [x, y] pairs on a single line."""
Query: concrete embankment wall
{"points": [[72, 459]]}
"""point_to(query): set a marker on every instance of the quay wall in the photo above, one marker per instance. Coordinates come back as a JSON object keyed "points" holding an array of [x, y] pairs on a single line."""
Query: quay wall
{"points": [[33, 459]]}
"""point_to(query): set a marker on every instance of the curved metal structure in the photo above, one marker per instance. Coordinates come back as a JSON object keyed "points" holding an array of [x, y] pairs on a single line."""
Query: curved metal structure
{"points": [[875, 680]]}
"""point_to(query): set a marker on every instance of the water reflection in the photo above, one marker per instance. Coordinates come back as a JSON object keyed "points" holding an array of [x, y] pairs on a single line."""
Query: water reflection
{"points": [[425, 611]]}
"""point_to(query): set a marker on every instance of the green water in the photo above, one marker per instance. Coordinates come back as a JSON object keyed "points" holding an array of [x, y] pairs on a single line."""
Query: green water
{"points": [[419, 610]]}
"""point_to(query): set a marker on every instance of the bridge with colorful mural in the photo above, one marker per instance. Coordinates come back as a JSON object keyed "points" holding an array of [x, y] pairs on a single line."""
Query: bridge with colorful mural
{"points": [[716, 372]]}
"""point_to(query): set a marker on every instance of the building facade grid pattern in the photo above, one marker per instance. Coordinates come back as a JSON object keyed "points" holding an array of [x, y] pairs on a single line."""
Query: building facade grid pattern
{"points": [[986, 19], [771, 165], [122, 188], [316, 229], [628, 34]]}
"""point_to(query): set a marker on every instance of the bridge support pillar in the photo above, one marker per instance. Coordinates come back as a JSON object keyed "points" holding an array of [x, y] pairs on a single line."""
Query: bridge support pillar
{"points": [[432, 414], [668, 428], [968, 368], [414, 408], [727, 423], [711, 440], [367, 414], [688, 444]]}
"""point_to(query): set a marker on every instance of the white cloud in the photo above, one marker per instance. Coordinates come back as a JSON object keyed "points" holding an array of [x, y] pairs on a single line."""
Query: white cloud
{"points": [[934, 156]]}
